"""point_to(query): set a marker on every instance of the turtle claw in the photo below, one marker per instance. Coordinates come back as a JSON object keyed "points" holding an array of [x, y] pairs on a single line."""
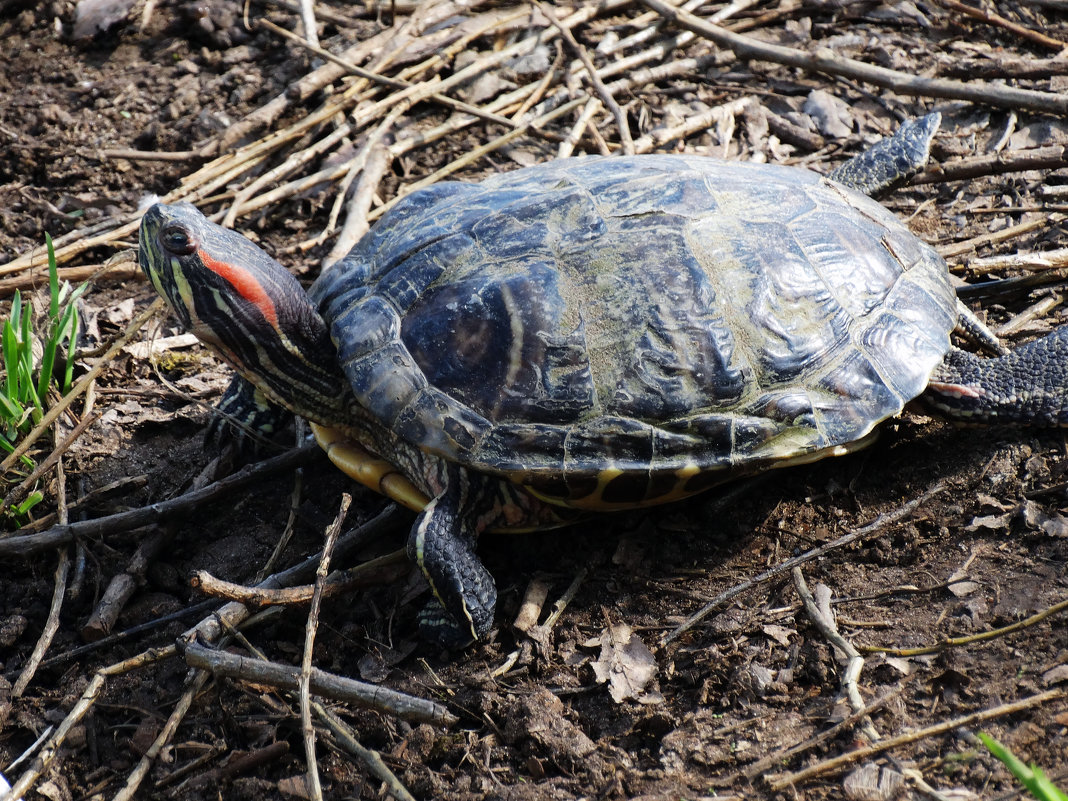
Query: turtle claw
{"points": [[439, 627]]}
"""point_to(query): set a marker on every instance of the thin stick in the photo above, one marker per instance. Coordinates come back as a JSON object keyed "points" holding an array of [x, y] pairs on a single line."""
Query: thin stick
{"points": [[304, 683], [328, 685], [48, 753], [965, 721], [122, 587], [779, 757], [659, 137], [210, 629], [983, 636], [394, 83], [1035, 311], [287, 529], [385, 569], [999, 21], [75, 275], [1049, 157], [359, 205], [277, 173], [133, 782], [969, 245], [879, 523], [827, 62], [595, 79], [157, 512], [373, 150], [476, 154], [18, 493], [373, 761], [565, 599], [854, 661], [1032, 262], [307, 22], [567, 147], [50, 628]]}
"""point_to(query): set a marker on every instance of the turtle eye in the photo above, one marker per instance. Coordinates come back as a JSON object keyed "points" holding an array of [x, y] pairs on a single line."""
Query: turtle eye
{"points": [[177, 239]]}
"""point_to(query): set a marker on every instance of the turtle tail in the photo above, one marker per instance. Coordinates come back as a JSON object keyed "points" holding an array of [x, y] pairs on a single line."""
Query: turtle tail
{"points": [[1028, 386]]}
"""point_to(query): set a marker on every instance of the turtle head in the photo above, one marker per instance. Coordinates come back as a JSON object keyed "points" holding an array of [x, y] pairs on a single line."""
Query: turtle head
{"points": [[244, 305]]}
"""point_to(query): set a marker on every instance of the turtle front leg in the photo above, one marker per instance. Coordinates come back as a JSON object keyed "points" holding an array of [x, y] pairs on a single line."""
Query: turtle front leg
{"points": [[442, 543], [244, 413]]}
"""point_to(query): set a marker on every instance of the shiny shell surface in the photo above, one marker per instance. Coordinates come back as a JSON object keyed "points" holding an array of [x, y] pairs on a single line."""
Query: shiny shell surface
{"points": [[620, 331]]}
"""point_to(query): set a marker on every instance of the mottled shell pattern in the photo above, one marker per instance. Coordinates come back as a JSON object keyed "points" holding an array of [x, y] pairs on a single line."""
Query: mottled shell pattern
{"points": [[612, 332]]}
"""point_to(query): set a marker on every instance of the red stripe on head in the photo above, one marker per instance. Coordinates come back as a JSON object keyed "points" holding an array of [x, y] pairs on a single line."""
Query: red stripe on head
{"points": [[245, 283]]}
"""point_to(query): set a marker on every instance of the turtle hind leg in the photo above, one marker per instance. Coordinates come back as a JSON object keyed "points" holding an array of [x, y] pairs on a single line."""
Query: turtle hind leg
{"points": [[891, 161], [1028, 386], [442, 543]]}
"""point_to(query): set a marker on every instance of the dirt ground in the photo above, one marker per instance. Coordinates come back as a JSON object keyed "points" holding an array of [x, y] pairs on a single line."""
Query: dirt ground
{"points": [[606, 703]]}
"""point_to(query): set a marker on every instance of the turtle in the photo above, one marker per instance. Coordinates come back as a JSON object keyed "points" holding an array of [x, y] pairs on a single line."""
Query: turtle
{"points": [[594, 334]]}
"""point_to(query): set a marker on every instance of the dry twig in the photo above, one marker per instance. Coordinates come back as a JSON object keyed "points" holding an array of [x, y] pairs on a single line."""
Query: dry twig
{"points": [[154, 513], [991, 18], [328, 685], [964, 721], [983, 636], [824, 621], [879, 523], [383, 570], [827, 62], [304, 681]]}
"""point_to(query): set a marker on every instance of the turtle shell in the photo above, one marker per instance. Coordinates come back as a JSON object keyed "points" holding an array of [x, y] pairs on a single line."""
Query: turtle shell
{"points": [[621, 331]]}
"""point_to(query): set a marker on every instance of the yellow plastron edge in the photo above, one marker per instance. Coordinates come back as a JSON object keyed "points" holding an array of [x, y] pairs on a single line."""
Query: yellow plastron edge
{"points": [[368, 469]]}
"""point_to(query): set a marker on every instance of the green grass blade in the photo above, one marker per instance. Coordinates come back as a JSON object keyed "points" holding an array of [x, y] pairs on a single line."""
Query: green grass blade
{"points": [[53, 279], [48, 361], [1032, 778], [16, 309], [10, 347], [68, 373], [10, 410], [26, 388], [31, 501], [66, 328], [25, 377]]}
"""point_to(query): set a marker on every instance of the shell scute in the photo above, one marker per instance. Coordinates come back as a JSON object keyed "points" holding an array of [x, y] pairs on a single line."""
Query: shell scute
{"points": [[496, 343]]}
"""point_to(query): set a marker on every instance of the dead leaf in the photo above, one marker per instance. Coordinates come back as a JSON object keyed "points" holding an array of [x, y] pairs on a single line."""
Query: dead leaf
{"points": [[96, 16], [1056, 675], [294, 786], [780, 634], [1038, 518], [625, 663], [157, 347], [989, 522], [870, 782], [831, 115]]}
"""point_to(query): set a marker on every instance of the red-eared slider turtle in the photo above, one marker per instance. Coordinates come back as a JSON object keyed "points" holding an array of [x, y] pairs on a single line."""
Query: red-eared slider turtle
{"points": [[595, 334]]}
